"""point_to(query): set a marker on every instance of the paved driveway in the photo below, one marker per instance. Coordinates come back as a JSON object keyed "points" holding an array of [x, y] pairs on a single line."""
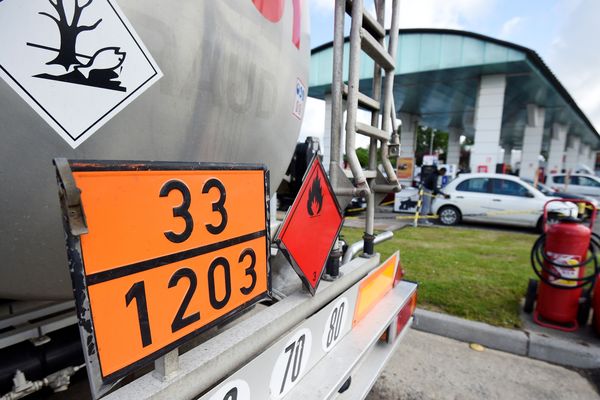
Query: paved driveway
{"points": [[428, 367]]}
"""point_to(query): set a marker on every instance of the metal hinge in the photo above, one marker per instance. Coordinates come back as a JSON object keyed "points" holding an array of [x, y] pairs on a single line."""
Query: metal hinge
{"points": [[70, 198]]}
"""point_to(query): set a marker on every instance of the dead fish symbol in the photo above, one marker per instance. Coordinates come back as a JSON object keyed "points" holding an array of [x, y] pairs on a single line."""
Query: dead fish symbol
{"points": [[108, 58]]}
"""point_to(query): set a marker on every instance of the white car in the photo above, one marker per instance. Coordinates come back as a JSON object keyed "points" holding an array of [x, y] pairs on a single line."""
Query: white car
{"points": [[584, 184], [495, 198]]}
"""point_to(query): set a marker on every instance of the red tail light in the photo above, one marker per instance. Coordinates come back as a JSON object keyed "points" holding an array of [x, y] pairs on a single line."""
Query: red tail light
{"points": [[406, 312], [402, 318]]}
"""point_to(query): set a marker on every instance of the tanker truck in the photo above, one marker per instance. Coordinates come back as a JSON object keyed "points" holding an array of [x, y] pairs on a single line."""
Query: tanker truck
{"points": [[198, 85]]}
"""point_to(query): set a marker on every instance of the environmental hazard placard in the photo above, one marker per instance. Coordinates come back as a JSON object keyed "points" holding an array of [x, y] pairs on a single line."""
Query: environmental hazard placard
{"points": [[76, 62]]}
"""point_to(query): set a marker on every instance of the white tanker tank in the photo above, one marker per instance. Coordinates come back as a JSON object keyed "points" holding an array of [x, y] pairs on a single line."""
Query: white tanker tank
{"points": [[233, 86]]}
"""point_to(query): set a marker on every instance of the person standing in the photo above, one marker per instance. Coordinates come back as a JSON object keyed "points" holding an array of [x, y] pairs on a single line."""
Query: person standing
{"points": [[430, 189]]}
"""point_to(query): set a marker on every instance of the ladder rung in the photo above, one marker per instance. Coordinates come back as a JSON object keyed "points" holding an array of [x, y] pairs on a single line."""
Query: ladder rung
{"points": [[372, 132], [364, 101], [376, 50], [369, 173], [386, 188], [369, 23]]}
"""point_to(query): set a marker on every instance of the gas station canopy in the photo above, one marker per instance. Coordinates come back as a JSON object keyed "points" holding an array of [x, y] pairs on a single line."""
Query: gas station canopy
{"points": [[437, 78]]}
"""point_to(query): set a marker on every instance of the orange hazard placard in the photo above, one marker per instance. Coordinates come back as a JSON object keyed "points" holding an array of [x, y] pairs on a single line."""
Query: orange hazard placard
{"points": [[170, 250]]}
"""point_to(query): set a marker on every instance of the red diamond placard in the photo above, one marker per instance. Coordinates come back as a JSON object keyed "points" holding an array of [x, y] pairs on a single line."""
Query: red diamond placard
{"points": [[311, 226]]}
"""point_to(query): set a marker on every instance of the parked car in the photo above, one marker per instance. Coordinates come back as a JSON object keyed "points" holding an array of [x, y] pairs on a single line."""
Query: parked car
{"points": [[496, 198], [584, 184], [546, 190], [356, 206]]}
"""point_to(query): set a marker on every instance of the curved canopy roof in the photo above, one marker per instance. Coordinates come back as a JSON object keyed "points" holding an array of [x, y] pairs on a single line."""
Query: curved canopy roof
{"points": [[437, 78]]}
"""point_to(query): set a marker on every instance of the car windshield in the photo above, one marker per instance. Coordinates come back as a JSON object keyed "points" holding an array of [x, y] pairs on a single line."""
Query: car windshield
{"points": [[544, 189], [509, 188], [588, 181], [541, 187]]}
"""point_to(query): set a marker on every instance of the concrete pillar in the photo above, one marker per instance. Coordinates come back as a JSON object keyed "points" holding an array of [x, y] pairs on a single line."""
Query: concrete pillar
{"points": [[507, 158], [592, 159], [408, 134], [453, 152], [556, 154], [500, 154], [408, 139], [584, 154], [572, 153], [488, 123], [587, 156], [532, 141], [516, 159]]}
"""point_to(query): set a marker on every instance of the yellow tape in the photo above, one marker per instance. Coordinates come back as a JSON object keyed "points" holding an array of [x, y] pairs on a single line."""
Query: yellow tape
{"points": [[415, 217], [356, 209], [504, 212], [422, 193]]}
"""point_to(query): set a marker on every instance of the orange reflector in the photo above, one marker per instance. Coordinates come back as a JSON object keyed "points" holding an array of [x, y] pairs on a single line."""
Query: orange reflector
{"points": [[399, 273], [406, 312], [375, 286]]}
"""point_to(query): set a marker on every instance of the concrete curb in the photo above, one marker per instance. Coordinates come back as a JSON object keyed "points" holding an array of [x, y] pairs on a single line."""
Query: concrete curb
{"points": [[523, 343]]}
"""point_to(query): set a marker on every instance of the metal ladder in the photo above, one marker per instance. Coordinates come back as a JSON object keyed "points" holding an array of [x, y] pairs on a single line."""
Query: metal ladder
{"points": [[367, 34]]}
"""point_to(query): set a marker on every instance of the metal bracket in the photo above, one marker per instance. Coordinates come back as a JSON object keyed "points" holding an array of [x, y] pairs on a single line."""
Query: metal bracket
{"points": [[70, 197], [382, 187], [343, 188], [394, 145], [167, 366]]}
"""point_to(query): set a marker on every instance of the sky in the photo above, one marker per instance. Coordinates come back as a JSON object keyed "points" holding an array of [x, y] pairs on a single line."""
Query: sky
{"points": [[565, 33]]}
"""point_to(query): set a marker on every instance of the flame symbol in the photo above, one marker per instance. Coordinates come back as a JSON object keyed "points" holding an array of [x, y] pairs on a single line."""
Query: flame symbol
{"points": [[315, 198]]}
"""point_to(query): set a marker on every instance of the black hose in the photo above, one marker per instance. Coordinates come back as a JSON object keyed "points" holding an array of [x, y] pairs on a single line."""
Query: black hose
{"points": [[63, 350], [540, 262]]}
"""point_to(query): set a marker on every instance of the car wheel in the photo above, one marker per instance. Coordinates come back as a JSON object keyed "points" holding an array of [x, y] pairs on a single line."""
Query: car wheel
{"points": [[530, 296], [539, 226], [583, 312], [449, 215]]}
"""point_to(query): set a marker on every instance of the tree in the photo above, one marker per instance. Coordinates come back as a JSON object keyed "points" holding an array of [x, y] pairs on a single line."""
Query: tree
{"points": [[68, 32], [440, 143], [363, 157]]}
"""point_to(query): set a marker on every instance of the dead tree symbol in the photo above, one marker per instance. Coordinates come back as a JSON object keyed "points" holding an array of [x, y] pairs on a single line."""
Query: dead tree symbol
{"points": [[68, 32]]}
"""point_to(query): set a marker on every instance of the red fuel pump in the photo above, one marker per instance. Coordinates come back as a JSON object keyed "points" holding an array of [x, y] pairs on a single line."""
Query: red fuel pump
{"points": [[559, 258]]}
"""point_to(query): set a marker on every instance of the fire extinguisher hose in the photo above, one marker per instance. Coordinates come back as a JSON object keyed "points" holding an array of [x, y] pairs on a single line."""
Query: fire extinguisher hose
{"points": [[541, 262]]}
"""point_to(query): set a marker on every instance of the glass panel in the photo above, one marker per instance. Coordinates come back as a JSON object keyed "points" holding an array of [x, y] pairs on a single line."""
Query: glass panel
{"points": [[430, 52], [585, 181], [509, 188], [478, 185]]}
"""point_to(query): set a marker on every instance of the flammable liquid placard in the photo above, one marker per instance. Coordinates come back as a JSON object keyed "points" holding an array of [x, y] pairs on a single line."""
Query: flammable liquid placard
{"points": [[311, 226]]}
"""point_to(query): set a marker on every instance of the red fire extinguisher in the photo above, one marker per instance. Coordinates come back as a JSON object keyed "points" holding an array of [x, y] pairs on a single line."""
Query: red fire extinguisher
{"points": [[559, 258]]}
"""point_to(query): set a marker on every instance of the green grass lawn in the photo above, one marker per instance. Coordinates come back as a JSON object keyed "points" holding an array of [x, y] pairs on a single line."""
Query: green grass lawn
{"points": [[471, 273]]}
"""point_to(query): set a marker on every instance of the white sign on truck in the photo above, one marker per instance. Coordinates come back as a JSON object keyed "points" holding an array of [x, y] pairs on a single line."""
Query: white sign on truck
{"points": [[76, 63]]}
